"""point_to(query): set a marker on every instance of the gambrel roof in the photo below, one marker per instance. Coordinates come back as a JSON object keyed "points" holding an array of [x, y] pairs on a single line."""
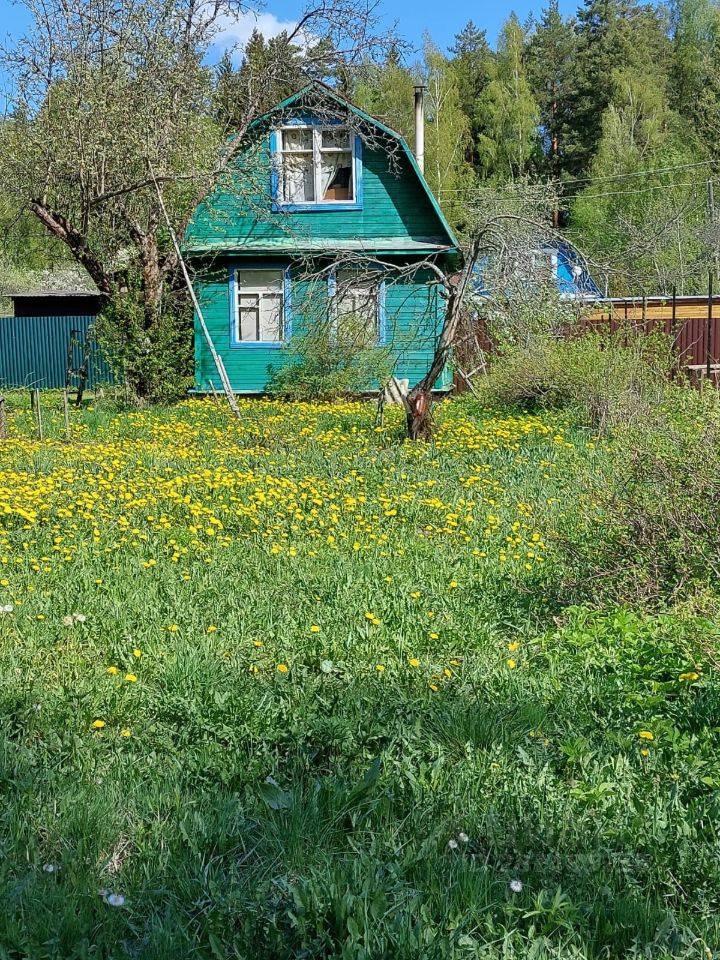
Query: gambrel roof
{"points": [[399, 213]]}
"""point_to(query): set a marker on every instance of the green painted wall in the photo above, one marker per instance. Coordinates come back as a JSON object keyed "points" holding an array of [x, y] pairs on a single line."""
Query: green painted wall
{"points": [[412, 319], [395, 205]]}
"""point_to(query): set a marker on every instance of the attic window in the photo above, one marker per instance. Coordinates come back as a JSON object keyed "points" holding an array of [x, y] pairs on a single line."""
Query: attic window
{"points": [[317, 165]]}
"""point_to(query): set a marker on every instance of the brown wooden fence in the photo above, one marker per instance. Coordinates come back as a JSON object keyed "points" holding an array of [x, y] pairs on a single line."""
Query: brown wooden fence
{"points": [[693, 322]]}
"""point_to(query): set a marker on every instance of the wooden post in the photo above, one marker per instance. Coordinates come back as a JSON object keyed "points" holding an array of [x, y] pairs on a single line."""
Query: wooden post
{"points": [[3, 419], [66, 412], [38, 413], [708, 335]]}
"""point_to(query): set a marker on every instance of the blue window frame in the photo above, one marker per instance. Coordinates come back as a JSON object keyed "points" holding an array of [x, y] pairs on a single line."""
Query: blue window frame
{"points": [[250, 321], [379, 289], [313, 150]]}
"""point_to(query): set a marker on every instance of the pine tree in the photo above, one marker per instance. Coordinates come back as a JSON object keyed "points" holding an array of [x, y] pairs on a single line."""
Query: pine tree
{"points": [[550, 60], [695, 74], [646, 227], [507, 113], [610, 33], [270, 71], [471, 63]]}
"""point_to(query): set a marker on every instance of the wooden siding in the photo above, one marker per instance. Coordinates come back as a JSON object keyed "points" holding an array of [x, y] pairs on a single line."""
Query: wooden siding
{"points": [[238, 214], [412, 319]]}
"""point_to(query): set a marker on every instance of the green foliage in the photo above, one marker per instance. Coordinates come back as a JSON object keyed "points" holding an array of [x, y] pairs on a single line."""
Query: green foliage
{"points": [[258, 814], [509, 138], [607, 379], [155, 362], [647, 527], [649, 236], [320, 364], [447, 138], [551, 66]]}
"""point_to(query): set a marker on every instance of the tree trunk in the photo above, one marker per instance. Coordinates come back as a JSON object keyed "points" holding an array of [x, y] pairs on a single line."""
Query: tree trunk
{"points": [[418, 403], [418, 413]]}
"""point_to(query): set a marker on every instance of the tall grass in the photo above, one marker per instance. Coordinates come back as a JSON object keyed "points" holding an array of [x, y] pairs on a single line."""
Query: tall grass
{"points": [[453, 763]]}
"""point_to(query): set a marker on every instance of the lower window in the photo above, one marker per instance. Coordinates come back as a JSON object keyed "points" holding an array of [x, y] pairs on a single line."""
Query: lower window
{"points": [[260, 306], [357, 307]]}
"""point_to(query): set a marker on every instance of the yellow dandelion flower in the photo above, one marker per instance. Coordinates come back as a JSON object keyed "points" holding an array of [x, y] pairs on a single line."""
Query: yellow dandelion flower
{"points": [[282, 668], [112, 671], [212, 628], [689, 676], [511, 664], [512, 647], [433, 687], [314, 628], [646, 735], [380, 668], [644, 752], [130, 678], [137, 653], [98, 724], [126, 732], [414, 662]]}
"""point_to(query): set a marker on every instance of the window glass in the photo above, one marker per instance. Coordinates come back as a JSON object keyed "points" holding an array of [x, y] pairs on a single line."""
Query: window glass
{"points": [[297, 138], [336, 138], [259, 305], [298, 178], [356, 307], [336, 180], [316, 165]]}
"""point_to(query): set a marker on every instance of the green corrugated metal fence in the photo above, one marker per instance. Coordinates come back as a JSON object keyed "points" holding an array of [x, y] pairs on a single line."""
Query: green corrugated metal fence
{"points": [[34, 351]]}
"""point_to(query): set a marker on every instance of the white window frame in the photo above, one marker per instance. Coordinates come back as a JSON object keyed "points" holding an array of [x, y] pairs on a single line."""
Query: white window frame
{"points": [[317, 152], [376, 286], [257, 290]]}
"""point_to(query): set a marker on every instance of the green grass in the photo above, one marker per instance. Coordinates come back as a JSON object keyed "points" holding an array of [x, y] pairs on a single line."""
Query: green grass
{"points": [[254, 813]]}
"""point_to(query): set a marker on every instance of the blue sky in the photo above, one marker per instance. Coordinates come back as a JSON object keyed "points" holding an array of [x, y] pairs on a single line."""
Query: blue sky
{"points": [[442, 20]]}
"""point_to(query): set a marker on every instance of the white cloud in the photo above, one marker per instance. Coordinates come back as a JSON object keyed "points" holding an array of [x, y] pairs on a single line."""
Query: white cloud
{"points": [[236, 31]]}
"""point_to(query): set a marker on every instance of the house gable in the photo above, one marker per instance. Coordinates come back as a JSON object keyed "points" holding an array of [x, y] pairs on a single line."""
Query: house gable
{"points": [[391, 211]]}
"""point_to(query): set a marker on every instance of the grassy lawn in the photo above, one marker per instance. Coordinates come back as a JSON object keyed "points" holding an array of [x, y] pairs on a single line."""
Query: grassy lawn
{"points": [[294, 688]]}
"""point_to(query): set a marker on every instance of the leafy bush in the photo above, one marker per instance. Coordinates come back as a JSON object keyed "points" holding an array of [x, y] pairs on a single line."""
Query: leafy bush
{"points": [[648, 516], [609, 378], [155, 362], [319, 365]]}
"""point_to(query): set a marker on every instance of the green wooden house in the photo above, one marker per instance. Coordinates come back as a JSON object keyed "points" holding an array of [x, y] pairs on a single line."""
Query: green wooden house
{"points": [[323, 218]]}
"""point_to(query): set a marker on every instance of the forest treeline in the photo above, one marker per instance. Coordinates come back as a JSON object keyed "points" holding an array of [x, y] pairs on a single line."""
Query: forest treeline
{"points": [[616, 108], [613, 113]]}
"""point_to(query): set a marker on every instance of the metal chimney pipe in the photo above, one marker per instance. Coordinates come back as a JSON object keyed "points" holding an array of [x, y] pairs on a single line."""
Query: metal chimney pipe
{"points": [[420, 126]]}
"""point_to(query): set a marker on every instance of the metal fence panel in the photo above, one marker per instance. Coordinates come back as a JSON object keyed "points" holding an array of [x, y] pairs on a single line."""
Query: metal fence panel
{"points": [[34, 351]]}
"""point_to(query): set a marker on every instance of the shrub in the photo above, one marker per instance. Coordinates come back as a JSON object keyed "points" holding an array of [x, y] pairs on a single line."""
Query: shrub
{"points": [[319, 365], [156, 362], [648, 516], [609, 378]]}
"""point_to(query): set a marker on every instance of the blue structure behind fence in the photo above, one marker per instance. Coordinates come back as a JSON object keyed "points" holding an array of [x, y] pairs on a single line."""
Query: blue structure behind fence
{"points": [[34, 351]]}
